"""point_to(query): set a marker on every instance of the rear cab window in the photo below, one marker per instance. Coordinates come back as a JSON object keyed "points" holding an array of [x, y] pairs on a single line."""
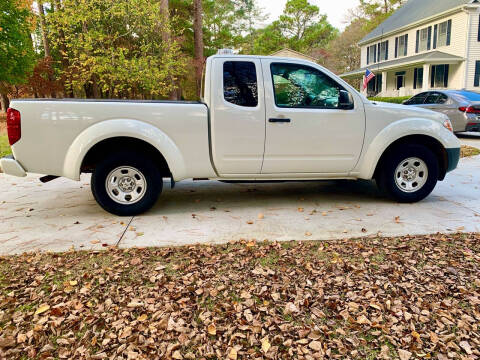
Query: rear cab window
{"points": [[240, 86]]}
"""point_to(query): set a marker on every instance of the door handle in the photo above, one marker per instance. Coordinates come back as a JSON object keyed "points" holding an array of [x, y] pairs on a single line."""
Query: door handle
{"points": [[278, 120]]}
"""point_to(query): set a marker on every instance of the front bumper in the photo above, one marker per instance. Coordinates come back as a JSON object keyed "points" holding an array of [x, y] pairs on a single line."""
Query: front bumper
{"points": [[11, 166], [453, 157]]}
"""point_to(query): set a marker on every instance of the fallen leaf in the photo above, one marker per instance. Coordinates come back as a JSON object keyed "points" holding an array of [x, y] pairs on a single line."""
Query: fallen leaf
{"points": [[265, 345], [42, 309], [212, 329], [404, 354]]}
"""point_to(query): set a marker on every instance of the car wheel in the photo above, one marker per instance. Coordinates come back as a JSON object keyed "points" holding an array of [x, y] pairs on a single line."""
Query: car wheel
{"points": [[126, 184], [409, 173]]}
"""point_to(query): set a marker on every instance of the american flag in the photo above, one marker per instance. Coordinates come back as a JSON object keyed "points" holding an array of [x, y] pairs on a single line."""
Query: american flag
{"points": [[368, 76]]}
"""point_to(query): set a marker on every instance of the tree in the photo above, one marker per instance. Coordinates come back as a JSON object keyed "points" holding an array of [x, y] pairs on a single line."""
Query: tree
{"points": [[16, 48], [375, 11], [198, 39], [301, 27], [115, 45]]}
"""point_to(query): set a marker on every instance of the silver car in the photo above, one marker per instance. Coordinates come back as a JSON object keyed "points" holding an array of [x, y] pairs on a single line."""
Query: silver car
{"points": [[461, 106]]}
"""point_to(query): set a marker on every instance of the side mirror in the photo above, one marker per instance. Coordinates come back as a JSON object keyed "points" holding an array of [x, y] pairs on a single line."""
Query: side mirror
{"points": [[345, 100]]}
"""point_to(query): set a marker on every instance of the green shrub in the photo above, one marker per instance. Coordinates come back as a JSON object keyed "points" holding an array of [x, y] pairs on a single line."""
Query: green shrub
{"points": [[394, 100]]}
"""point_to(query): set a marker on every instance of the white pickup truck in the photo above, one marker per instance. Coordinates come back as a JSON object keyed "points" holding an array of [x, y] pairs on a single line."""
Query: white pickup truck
{"points": [[260, 119]]}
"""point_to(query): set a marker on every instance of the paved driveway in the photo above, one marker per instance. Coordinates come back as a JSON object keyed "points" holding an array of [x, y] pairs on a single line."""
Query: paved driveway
{"points": [[63, 214]]}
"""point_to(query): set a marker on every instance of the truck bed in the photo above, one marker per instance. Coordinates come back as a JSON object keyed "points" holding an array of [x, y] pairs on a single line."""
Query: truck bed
{"points": [[53, 128]]}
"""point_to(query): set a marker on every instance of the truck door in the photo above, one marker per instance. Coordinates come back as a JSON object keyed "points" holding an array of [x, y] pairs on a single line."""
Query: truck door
{"points": [[237, 115], [307, 132]]}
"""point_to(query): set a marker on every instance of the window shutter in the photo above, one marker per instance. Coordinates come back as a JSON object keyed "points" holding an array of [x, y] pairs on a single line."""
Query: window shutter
{"points": [[374, 53], [445, 79], [432, 76], [378, 52], [396, 47], [435, 32], [476, 82], [406, 45], [418, 41], [386, 51], [368, 54], [415, 71], [449, 32], [429, 40], [478, 37]]}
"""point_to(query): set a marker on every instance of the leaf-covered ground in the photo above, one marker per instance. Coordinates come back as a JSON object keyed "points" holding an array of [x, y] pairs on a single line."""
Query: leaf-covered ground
{"points": [[374, 298], [467, 151]]}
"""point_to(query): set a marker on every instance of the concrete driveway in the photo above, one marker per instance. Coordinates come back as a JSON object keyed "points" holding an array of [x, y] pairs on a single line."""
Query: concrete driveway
{"points": [[63, 214]]}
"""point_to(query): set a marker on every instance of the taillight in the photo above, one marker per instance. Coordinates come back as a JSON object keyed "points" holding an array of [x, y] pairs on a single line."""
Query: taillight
{"points": [[14, 127], [469, 110]]}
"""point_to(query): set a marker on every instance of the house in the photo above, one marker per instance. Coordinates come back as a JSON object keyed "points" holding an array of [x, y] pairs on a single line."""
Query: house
{"points": [[289, 53], [425, 44]]}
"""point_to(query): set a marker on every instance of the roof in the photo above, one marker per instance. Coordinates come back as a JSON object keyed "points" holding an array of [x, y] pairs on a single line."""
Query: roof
{"points": [[294, 53], [433, 57], [414, 11]]}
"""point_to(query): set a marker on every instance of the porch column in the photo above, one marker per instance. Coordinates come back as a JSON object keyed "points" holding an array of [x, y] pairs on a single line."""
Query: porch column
{"points": [[384, 83], [426, 77]]}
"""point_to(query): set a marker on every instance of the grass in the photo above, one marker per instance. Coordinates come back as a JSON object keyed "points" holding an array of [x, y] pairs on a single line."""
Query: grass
{"points": [[4, 146], [467, 151], [394, 100]]}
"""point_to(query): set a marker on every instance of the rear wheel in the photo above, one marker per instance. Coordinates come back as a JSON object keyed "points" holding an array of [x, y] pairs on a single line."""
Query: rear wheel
{"points": [[126, 184], [409, 173]]}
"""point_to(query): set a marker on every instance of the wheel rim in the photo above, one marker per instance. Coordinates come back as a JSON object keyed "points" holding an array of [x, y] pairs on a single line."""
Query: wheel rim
{"points": [[126, 185], [411, 174]]}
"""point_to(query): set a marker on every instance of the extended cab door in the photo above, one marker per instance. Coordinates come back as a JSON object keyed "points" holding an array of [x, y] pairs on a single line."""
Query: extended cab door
{"points": [[307, 132], [237, 115]]}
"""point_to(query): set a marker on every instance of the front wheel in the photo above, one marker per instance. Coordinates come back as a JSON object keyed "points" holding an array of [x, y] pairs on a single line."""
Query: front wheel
{"points": [[409, 173], [126, 184]]}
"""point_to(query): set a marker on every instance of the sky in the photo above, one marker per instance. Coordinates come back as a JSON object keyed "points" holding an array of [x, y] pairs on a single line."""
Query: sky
{"points": [[336, 10]]}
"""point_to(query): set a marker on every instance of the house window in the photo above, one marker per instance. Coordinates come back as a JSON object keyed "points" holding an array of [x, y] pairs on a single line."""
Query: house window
{"points": [[442, 34], [401, 45], [439, 76], [400, 79], [372, 54], [383, 51], [476, 81], [375, 85], [423, 39], [418, 78]]}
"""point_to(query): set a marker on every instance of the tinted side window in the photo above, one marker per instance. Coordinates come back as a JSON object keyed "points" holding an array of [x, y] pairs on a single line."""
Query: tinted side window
{"points": [[240, 83], [300, 86], [417, 99], [436, 98]]}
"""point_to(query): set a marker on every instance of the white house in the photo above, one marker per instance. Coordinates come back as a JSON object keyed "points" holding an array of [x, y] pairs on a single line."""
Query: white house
{"points": [[425, 44]]}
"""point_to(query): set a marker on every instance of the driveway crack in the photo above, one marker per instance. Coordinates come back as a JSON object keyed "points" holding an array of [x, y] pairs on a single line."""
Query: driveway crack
{"points": [[124, 231]]}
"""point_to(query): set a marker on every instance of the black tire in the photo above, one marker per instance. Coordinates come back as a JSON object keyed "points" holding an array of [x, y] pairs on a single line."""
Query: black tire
{"points": [[386, 177], [136, 161]]}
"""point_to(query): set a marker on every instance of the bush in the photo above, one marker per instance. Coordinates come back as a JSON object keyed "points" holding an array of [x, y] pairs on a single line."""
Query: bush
{"points": [[394, 100]]}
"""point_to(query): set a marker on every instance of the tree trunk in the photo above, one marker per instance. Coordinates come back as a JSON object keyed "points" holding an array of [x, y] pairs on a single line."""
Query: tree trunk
{"points": [[198, 43], [4, 102], [67, 89], [167, 37], [46, 44]]}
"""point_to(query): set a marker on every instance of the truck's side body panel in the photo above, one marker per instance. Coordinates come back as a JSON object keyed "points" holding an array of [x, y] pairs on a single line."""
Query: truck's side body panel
{"points": [[57, 134]]}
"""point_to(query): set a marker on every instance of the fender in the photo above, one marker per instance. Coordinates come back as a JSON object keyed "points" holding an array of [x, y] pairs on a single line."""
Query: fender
{"points": [[396, 131], [127, 128]]}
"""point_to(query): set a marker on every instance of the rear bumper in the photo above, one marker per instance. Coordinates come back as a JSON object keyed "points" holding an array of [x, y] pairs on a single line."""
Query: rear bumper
{"points": [[453, 157], [473, 127], [11, 166]]}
